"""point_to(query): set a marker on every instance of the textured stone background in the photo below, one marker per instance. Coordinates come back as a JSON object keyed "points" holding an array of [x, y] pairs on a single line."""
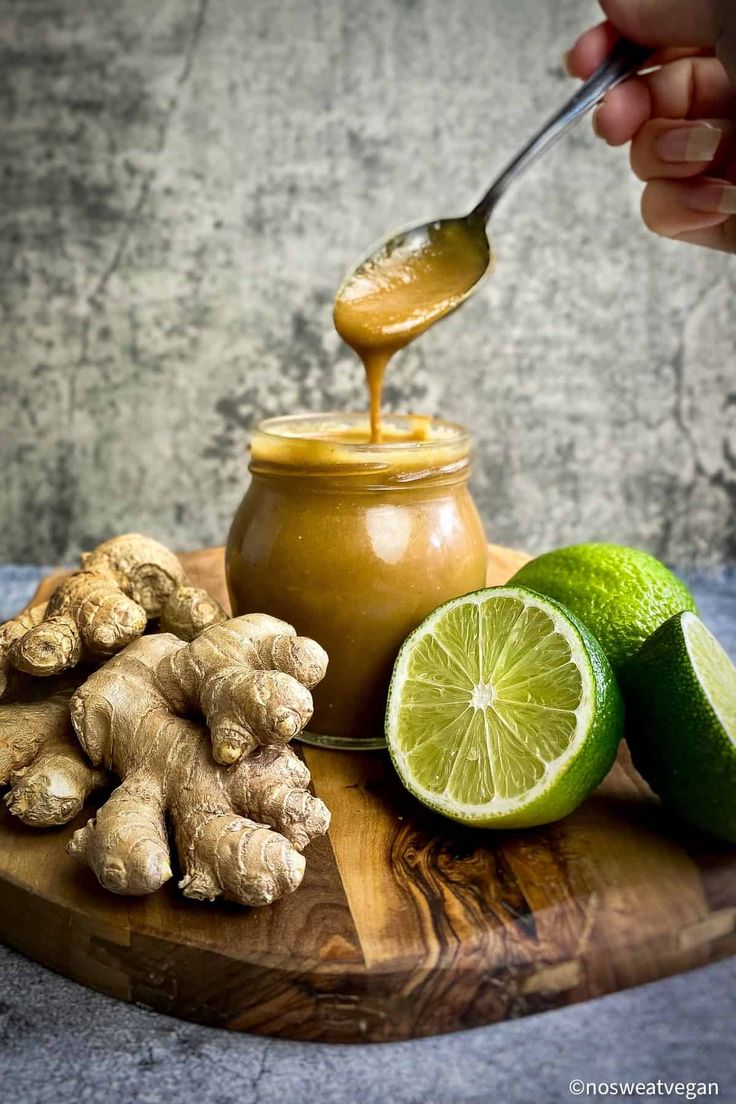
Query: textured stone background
{"points": [[183, 185]]}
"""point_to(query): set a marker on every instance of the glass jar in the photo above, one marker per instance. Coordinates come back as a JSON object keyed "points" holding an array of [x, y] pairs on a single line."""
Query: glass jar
{"points": [[354, 544]]}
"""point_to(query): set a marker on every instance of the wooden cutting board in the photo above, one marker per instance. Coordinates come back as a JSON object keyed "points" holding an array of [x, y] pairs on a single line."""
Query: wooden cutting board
{"points": [[406, 924]]}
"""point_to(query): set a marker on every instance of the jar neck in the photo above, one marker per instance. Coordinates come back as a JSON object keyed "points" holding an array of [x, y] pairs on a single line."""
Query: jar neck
{"points": [[364, 478], [334, 451]]}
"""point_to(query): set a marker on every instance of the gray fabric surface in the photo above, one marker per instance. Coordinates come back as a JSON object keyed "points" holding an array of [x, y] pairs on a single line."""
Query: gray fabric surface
{"points": [[63, 1044]]}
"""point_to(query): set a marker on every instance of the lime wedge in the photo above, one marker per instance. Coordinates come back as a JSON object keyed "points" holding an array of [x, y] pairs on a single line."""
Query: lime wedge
{"points": [[502, 710], [681, 689]]}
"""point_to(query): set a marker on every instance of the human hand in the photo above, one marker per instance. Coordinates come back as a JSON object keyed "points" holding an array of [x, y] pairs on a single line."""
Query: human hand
{"points": [[680, 118]]}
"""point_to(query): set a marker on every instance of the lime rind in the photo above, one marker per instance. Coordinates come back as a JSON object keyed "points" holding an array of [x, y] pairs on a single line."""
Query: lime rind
{"points": [[503, 746]]}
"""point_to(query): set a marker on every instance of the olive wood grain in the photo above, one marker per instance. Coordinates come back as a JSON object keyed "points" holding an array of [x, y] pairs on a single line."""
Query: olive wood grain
{"points": [[406, 924]]}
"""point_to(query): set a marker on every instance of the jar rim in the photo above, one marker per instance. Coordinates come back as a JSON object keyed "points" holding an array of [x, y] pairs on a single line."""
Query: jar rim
{"points": [[286, 427], [320, 446]]}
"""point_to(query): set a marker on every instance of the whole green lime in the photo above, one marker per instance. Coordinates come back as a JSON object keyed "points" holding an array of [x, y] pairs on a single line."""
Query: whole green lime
{"points": [[620, 594], [681, 723]]}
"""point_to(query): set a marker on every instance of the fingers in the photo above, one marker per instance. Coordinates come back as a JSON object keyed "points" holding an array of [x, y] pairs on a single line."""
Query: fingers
{"points": [[688, 88], [699, 211], [622, 112], [679, 149], [590, 50], [679, 119], [594, 46], [664, 23], [656, 23], [722, 236]]}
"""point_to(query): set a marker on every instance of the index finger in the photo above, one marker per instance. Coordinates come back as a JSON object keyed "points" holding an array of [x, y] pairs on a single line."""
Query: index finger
{"points": [[664, 23], [656, 23], [595, 44]]}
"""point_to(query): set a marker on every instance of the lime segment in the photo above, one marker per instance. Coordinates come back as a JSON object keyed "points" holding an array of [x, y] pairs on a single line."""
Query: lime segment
{"points": [[502, 710]]}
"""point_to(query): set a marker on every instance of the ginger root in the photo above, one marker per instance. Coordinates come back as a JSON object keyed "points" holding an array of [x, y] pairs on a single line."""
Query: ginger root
{"points": [[190, 610], [238, 831], [41, 760], [103, 607], [11, 632], [250, 678]]}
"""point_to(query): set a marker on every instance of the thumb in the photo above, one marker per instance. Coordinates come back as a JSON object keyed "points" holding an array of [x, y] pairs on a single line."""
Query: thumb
{"points": [[668, 22]]}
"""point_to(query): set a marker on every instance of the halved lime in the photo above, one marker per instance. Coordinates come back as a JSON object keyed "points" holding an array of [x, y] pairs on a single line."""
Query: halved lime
{"points": [[681, 689], [502, 710]]}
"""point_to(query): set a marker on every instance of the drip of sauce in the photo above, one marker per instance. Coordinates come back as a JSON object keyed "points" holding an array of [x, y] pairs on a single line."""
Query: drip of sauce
{"points": [[401, 290]]}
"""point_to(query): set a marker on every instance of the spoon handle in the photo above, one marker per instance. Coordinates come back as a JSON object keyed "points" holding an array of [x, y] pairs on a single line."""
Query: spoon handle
{"points": [[624, 60]]}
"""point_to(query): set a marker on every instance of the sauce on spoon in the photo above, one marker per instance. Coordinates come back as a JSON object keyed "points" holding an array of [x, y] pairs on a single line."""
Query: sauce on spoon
{"points": [[408, 284]]}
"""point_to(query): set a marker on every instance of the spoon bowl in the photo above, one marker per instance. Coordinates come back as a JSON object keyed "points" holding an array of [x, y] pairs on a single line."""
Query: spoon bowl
{"points": [[411, 280]]}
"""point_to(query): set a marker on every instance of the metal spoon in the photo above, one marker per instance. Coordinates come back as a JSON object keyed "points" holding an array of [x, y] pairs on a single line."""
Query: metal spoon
{"points": [[456, 251]]}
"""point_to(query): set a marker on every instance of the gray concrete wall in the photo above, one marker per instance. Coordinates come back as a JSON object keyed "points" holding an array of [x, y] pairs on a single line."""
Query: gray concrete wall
{"points": [[185, 182]]}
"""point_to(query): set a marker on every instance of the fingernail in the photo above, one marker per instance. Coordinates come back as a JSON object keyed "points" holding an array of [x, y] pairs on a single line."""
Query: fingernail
{"points": [[566, 63], [695, 143], [715, 198]]}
